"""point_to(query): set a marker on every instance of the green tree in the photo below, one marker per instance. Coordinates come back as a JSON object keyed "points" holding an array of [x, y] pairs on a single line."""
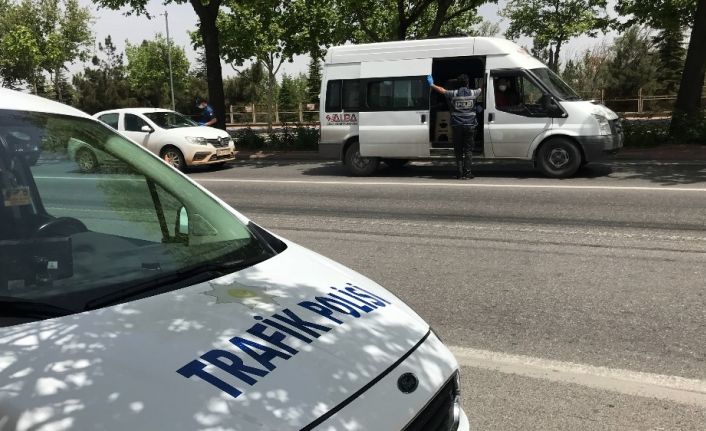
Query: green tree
{"points": [[633, 65], [314, 80], [105, 85], [383, 20], [552, 23], [39, 36], [248, 87], [672, 15], [207, 12], [587, 73], [670, 44], [148, 70], [267, 32]]}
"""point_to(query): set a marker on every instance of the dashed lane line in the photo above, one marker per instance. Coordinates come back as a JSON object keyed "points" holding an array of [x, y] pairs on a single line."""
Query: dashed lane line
{"points": [[670, 388]]}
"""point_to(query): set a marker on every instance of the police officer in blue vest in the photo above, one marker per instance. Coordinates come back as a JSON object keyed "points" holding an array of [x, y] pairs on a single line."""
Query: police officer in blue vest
{"points": [[208, 116], [463, 121]]}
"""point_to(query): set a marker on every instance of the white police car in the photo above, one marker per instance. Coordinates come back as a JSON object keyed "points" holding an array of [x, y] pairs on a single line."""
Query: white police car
{"points": [[134, 299]]}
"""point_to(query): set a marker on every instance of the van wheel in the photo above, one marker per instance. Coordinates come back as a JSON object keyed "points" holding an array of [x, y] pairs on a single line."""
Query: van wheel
{"points": [[358, 165], [174, 157], [559, 158], [396, 163]]}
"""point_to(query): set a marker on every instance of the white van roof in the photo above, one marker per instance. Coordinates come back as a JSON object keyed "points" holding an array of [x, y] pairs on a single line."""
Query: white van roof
{"points": [[436, 48], [19, 101]]}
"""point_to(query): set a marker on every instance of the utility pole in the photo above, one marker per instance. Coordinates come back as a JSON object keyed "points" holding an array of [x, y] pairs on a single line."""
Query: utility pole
{"points": [[169, 59]]}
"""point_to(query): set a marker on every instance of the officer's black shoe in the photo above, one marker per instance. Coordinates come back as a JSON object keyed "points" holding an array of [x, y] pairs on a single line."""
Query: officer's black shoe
{"points": [[468, 176]]}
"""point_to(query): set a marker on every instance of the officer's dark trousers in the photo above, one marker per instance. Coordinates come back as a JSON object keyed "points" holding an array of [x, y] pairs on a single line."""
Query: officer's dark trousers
{"points": [[463, 148]]}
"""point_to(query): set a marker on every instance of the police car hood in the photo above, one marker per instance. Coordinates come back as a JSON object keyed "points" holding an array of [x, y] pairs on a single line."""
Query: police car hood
{"points": [[198, 358]]}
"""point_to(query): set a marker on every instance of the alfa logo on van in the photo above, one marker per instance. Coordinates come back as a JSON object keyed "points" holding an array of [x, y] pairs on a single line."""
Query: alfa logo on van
{"points": [[342, 119]]}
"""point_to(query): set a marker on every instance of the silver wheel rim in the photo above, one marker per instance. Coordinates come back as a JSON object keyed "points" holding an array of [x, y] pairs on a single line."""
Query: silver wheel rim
{"points": [[559, 158], [173, 158], [85, 161]]}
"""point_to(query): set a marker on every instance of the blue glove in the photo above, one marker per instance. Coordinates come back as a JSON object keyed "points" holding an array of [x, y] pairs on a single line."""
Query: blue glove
{"points": [[430, 80], [202, 124]]}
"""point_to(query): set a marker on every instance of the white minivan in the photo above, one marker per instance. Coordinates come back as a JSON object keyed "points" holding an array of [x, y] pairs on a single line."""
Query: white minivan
{"points": [[376, 106], [134, 299]]}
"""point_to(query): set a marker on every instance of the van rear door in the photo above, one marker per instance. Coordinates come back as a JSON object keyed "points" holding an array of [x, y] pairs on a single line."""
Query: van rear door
{"points": [[394, 117]]}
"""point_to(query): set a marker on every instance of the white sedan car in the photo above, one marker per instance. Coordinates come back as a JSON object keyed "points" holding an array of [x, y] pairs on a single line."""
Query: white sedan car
{"points": [[172, 136], [137, 300]]}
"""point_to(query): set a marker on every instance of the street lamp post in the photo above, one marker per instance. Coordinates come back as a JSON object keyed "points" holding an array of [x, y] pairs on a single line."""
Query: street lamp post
{"points": [[169, 59]]}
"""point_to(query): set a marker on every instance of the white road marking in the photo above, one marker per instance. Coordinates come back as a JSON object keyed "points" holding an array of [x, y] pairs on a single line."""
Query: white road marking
{"points": [[670, 388], [454, 184]]}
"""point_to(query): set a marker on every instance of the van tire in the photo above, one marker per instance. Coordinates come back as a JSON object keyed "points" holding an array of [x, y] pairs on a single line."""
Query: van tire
{"points": [[559, 158], [396, 163], [358, 165]]}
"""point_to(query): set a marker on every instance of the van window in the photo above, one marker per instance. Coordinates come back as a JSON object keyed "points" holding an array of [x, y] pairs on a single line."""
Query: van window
{"points": [[351, 95], [521, 96], [333, 96], [110, 119], [397, 95]]}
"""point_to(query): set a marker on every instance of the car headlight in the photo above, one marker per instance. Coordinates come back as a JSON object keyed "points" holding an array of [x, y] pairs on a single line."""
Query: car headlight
{"points": [[196, 140], [603, 125]]}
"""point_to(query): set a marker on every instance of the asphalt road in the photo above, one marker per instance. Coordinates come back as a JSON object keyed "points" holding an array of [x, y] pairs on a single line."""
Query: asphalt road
{"points": [[570, 304], [604, 272]]}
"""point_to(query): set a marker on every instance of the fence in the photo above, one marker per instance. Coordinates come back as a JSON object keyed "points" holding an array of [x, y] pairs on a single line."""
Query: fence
{"points": [[641, 105], [258, 115]]}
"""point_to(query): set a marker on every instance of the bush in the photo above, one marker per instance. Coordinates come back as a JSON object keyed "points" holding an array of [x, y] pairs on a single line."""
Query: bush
{"points": [[651, 133], [646, 133], [297, 138]]}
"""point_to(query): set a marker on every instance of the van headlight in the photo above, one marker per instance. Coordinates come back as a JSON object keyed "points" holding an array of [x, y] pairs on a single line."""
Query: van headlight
{"points": [[603, 125], [196, 140]]}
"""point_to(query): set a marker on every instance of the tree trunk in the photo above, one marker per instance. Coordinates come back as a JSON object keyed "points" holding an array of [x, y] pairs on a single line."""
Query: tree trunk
{"points": [[689, 98], [214, 75], [57, 86], [555, 60], [442, 9], [271, 81]]}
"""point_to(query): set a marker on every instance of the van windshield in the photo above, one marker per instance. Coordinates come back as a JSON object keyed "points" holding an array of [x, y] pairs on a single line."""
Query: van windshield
{"points": [[131, 227], [555, 84]]}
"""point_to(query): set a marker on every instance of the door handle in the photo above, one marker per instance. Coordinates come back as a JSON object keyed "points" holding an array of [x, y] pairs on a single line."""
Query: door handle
{"points": [[424, 118], [491, 117]]}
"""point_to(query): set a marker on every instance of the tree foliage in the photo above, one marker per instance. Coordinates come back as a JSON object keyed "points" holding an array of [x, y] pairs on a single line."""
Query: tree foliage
{"points": [[105, 85], [148, 71], [672, 16], [552, 23], [633, 65], [207, 12], [42, 36], [314, 80], [383, 20]]}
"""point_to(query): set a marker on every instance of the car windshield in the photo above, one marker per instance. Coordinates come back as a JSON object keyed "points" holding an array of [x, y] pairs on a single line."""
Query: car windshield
{"points": [[555, 84], [170, 120], [74, 241]]}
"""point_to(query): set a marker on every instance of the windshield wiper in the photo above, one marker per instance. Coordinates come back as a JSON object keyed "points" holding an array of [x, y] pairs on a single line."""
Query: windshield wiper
{"points": [[186, 277], [16, 307]]}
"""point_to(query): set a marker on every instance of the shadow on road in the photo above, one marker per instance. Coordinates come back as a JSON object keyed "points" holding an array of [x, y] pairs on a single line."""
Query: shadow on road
{"points": [[657, 173]]}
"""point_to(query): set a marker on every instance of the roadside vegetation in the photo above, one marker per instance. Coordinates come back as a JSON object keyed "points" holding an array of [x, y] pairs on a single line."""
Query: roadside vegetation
{"points": [[661, 50]]}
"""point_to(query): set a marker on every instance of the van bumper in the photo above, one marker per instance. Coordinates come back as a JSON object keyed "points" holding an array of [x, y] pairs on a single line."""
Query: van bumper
{"points": [[599, 147]]}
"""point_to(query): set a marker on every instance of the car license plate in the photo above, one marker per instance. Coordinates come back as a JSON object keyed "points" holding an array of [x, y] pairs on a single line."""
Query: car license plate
{"points": [[223, 152]]}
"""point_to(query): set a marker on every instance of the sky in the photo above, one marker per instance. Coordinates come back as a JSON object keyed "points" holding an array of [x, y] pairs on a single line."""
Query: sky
{"points": [[182, 20]]}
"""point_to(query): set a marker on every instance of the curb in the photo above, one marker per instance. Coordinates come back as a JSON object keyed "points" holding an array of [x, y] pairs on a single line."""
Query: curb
{"points": [[281, 155]]}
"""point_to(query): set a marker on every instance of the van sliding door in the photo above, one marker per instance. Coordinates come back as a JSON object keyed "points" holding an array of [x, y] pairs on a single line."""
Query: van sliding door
{"points": [[394, 117]]}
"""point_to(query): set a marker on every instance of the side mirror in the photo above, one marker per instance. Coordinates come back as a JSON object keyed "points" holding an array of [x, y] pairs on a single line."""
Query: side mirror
{"points": [[147, 129], [551, 107]]}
